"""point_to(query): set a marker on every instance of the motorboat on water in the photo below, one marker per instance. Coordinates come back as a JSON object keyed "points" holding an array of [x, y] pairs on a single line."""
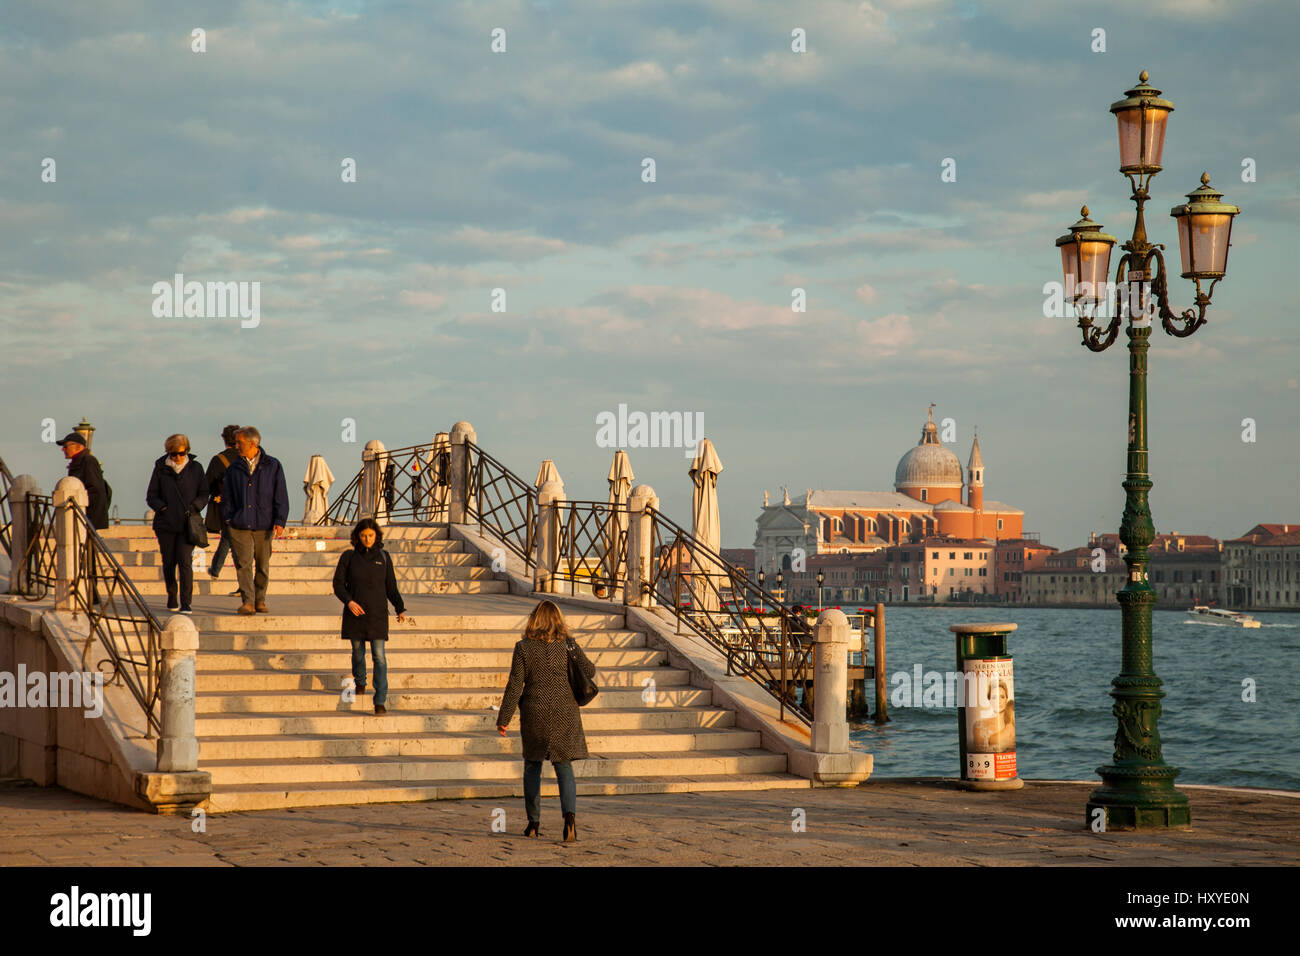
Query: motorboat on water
{"points": [[1222, 616]]}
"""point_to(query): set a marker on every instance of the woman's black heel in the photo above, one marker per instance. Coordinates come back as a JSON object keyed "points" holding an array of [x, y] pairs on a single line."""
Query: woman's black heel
{"points": [[532, 829], [570, 828]]}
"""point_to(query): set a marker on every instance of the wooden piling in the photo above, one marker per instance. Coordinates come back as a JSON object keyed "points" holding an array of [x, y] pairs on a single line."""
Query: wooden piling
{"points": [[882, 693]]}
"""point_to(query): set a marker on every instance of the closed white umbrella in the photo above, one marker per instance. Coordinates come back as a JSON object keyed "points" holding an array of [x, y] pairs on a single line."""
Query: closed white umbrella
{"points": [[620, 489], [316, 486], [547, 472], [706, 526], [437, 480]]}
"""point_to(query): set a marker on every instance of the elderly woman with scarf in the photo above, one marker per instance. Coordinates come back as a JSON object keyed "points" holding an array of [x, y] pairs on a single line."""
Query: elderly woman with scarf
{"points": [[177, 489]]}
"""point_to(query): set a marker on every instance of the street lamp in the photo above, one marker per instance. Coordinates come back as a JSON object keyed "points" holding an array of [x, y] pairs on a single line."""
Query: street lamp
{"points": [[821, 576], [762, 607], [1137, 788]]}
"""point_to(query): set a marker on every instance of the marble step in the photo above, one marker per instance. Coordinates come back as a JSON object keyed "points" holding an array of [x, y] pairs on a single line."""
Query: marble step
{"points": [[418, 679], [363, 722], [404, 574], [426, 699], [134, 561], [403, 638], [148, 542], [274, 623], [205, 587], [483, 742], [339, 657], [432, 769], [228, 799]]}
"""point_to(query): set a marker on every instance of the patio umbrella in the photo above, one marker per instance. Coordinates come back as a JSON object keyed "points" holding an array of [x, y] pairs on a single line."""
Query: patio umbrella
{"points": [[437, 477], [316, 486], [706, 526], [547, 472], [620, 489]]}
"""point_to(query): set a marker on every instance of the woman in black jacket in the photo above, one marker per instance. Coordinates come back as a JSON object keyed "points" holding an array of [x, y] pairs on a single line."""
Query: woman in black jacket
{"points": [[177, 489], [364, 581]]}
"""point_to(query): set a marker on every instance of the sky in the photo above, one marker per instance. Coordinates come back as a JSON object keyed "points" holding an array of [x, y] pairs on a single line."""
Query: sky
{"points": [[525, 171]]}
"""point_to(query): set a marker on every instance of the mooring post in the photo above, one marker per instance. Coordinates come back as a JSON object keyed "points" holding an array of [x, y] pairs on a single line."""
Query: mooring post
{"points": [[882, 693]]}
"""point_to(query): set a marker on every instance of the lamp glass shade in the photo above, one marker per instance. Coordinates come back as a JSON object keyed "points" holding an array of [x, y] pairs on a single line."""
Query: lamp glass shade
{"points": [[1094, 267], [1203, 242], [1141, 144]]}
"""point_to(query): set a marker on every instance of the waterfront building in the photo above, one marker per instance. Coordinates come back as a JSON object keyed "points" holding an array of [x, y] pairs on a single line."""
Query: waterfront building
{"points": [[1079, 576], [926, 503], [1014, 557], [1261, 569]]}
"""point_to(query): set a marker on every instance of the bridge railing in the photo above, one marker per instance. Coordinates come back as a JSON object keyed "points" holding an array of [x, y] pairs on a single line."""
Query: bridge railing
{"points": [[592, 547], [117, 615], [404, 484], [502, 503], [6, 509]]}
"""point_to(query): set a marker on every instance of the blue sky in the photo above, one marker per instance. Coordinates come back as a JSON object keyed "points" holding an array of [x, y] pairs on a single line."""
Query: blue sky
{"points": [[522, 171]]}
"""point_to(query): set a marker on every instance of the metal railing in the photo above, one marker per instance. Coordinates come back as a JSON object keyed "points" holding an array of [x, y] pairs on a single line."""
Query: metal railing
{"points": [[6, 509], [413, 485], [593, 547], [502, 503], [116, 613], [713, 598]]}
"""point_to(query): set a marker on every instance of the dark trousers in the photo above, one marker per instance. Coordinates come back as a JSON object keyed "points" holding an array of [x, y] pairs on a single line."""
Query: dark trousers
{"points": [[533, 788], [177, 554], [378, 651], [223, 549], [252, 551]]}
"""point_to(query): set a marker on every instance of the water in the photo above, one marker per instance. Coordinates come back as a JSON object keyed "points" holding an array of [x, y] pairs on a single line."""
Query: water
{"points": [[1064, 662]]}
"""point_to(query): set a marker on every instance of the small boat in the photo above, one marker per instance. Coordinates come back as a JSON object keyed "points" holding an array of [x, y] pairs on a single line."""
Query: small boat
{"points": [[1221, 616]]}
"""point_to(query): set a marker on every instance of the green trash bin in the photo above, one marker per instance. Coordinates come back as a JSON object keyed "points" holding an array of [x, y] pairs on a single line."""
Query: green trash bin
{"points": [[986, 724]]}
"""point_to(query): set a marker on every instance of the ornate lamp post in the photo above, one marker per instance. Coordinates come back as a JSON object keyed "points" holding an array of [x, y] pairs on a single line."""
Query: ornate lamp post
{"points": [[1138, 786], [821, 576], [762, 603]]}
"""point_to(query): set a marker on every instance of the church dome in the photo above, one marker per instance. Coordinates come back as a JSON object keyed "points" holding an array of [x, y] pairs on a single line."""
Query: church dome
{"points": [[929, 464]]}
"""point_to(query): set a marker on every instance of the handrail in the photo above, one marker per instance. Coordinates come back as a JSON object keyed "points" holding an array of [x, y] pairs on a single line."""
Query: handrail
{"points": [[593, 546], [117, 614], [501, 502], [6, 509], [425, 496]]}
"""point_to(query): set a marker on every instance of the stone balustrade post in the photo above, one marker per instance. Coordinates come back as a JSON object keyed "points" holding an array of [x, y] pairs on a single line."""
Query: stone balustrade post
{"points": [[830, 730], [459, 511], [546, 546], [69, 537], [178, 748], [372, 503], [22, 486], [640, 567]]}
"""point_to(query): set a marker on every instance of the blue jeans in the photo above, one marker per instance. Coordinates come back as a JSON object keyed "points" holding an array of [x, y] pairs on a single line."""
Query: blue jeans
{"points": [[223, 549], [533, 788], [378, 650]]}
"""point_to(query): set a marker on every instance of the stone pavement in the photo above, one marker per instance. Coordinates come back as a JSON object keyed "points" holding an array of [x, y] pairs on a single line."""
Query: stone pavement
{"points": [[882, 822]]}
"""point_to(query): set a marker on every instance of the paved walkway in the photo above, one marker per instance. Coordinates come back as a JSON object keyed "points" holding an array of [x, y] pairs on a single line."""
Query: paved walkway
{"points": [[901, 823]]}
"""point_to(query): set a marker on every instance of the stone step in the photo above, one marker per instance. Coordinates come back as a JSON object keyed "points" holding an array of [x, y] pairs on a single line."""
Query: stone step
{"points": [[325, 575], [391, 531], [474, 621], [228, 799], [148, 542], [403, 638], [136, 561], [363, 722], [432, 769], [483, 742], [426, 699], [417, 679], [339, 657], [205, 587]]}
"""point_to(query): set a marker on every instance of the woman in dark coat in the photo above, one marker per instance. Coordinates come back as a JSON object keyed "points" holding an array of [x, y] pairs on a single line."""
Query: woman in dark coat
{"points": [[364, 581], [177, 489], [549, 719]]}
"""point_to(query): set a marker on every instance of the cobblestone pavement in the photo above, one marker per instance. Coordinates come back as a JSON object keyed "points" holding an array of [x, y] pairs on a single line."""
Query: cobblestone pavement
{"points": [[884, 822]]}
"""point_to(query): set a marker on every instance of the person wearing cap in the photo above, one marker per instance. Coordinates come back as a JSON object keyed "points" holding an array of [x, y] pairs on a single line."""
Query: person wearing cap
{"points": [[84, 466], [255, 504], [216, 474]]}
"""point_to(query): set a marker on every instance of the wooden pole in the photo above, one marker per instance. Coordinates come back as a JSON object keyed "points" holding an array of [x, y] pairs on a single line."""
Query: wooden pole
{"points": [[882, 712]]}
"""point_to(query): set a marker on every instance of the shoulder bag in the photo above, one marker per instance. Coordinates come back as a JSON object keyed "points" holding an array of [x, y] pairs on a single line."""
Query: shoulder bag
{"points": [[584, 688]]}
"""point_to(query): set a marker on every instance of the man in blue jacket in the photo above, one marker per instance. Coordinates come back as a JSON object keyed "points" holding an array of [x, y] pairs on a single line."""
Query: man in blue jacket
{"points": [[255, 506]]}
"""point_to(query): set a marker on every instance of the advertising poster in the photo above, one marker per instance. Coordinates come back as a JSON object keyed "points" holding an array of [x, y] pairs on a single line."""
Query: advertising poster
{"points": [[990, 720]]}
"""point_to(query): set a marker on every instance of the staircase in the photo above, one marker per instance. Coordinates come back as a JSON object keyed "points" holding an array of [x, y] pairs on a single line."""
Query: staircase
{"points": [[275, 730]]}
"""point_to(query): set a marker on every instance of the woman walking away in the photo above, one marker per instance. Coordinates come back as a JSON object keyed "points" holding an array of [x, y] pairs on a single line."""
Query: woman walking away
{"points": [[549, 720], [177, 489], [364, 581]]}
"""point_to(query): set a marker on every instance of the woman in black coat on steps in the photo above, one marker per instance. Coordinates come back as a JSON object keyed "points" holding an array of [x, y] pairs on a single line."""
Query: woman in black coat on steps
{"points": [[365, 582], [177, 489]]}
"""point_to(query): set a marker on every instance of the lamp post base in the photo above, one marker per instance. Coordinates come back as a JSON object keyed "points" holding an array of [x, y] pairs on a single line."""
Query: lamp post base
{"points": [[1138, 798]]}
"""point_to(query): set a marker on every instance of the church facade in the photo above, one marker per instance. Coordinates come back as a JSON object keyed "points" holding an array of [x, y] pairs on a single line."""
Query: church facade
{"points": [[926, 503]]}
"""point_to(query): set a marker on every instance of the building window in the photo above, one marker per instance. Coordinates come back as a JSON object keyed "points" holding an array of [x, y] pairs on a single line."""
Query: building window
{"points": [[935, 555], [952, 555], [999, 524], [924, 492], [966, 555], [984, 572]]}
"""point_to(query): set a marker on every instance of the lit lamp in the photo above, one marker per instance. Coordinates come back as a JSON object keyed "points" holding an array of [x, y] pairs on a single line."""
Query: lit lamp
{"points": [[1085, 262], [1142, 117], [1204, 228]]}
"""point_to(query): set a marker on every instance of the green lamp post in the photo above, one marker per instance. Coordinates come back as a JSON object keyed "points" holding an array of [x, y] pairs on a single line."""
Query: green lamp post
{"points": [[1137, 789]]}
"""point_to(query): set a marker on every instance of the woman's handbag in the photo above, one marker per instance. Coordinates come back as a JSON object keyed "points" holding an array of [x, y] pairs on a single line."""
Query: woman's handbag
{"points": [[195, 530], [584, 688]]}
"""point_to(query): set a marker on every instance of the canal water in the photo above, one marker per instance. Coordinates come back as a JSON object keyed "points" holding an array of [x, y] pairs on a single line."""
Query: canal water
{"points": [[1064, 662]]}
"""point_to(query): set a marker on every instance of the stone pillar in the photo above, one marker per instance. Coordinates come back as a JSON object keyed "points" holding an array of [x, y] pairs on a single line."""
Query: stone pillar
{"points": [[640, 566], [372, 504], [461, 433], [22, 486], [178, 748], [69, 537], [830, 730], [550, 513]]}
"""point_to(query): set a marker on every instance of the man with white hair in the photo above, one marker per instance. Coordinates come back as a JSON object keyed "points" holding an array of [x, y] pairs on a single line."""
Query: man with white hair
{"points": [[255, 506]]}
